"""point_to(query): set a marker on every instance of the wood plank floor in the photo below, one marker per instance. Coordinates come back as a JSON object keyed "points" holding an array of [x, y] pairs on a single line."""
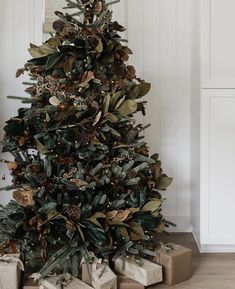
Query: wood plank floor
{"points": [[209, 271]]}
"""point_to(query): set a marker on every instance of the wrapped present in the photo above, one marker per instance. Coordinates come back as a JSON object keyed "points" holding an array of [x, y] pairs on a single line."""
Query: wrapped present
{"points": [[63, 281], [145, 272], [100, 276], [176, 263], [31, 284], [126, 283], [10, 271]]}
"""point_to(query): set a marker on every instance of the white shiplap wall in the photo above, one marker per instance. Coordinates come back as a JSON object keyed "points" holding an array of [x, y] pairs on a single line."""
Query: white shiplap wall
{"points": [[159, 33]]}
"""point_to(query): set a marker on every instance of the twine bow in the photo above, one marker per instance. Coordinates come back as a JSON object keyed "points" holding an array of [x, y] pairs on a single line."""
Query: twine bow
{"points": [[64, 280]]}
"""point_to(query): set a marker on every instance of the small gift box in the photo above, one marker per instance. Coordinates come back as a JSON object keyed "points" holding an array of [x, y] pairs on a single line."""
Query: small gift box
{"points": [[63, 281], [126, 283], [145, 272], [176, 263], [31, 284], [100, 276], [10, 271]]}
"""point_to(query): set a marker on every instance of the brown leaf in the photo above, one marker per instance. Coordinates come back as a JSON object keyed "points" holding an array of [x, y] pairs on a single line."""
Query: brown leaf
{"points": [[24, 197], [111, 214], [22, 141], [128, 107], [12, 166], [19, 72], [122, 215], [86, 78], [79, 182]]}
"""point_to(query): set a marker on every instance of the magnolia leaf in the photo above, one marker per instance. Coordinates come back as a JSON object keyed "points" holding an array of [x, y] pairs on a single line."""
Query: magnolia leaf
{"points": [[68, 64], [133, 210], [53, 59], [113, 131], [118, 223], [137, 231], [123, 231], [54, 42], [144, 88], [107, 103], [97, 118], [99, 48], [79, 182], [115, 97], [98, 215], [42, 51], [87, 77], [163, 182], [12, 166], [111, 117], [128, 107], [152, 206], [24, 197], [160, 228], [127, 50], [120, 102], [155, 157], [158, 169], [134, 93]]}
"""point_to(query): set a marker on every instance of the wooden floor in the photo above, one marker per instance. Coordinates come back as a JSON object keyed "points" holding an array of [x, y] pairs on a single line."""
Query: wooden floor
{"points": [[209, 271]]}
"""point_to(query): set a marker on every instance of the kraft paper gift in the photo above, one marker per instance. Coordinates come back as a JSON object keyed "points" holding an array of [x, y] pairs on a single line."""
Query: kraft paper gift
{"points": [[176, 263], [126, 283], [147, 273], [102, 277], [57, 282], [10, 271]]}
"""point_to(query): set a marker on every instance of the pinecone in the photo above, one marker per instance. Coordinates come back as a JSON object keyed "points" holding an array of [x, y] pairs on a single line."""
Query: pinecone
{"points": [[131, 174], [73, 213], [58, 25], [84, 138]]}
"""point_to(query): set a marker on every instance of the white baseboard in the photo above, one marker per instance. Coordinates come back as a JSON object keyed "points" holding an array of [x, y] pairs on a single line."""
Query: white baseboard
{"points": [[182, 224], [212, 248]]}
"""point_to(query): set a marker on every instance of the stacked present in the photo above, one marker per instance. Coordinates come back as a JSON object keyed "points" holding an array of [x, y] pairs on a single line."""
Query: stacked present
{"points": [[10, 271], [170, 265]]}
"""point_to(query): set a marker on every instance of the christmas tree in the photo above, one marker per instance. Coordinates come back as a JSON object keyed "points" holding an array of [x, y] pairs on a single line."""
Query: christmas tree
{"points": [[83, 180]]}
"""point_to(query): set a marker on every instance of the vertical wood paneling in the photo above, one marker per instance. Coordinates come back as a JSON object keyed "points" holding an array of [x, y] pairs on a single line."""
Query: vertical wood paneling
{"points": [[20, 24], [159, 33]]}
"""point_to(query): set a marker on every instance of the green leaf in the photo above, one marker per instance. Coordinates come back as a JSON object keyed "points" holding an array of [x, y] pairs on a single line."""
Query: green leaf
{"points": [[152, 206], [107, 103], [155, 157], [111, 117], [163, 182], [115, 98], [144, 88], [41, 51], [136, 231], [68, 64], [53, 59], [128, 107]]}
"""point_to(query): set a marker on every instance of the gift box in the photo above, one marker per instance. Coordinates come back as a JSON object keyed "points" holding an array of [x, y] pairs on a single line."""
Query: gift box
{"points": [[10, 271], [126, 283], [144, 272], [100, 276], [59, 281], [176, 263], [31, 284]]}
